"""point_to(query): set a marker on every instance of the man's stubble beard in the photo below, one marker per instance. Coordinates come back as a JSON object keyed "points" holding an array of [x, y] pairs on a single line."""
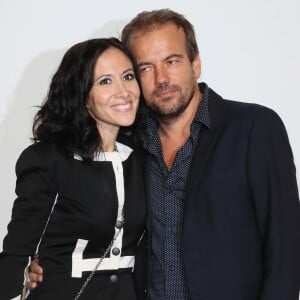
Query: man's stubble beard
{"points": [[169, 114]]}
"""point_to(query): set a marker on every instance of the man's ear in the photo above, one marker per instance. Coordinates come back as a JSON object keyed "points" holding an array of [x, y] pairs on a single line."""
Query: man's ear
{"points": [[197, 66]]}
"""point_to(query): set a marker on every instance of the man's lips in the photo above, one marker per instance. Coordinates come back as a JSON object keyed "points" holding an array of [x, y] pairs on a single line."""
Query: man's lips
{"points": [[164, 93], [167, 91]]}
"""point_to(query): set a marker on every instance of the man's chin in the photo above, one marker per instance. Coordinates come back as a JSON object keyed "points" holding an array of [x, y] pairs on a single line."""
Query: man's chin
{"points": [[168, 114]]}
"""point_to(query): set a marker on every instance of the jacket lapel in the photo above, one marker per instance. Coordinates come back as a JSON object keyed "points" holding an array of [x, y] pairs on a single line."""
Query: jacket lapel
{"points": [[206, 141]]}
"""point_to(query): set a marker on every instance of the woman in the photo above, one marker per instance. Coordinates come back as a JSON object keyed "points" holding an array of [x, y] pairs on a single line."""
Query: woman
{"points": [[78, 184]]}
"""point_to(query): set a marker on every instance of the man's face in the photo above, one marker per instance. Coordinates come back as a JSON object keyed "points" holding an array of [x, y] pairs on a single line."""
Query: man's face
{"points": [[169, 79]]}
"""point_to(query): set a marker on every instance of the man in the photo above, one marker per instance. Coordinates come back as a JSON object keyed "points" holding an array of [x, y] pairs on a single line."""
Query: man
{"points": [[224, 214]]}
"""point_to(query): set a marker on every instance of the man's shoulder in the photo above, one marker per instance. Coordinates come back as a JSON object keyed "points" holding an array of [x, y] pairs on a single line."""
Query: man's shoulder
{"points": [[230, 111], [248, 110], [214, 99], [241, 106]]}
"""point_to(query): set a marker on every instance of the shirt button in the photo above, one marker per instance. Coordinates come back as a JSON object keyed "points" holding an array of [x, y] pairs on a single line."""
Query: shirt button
{"points": [[114, 278], [119, 224], [115, 251]]}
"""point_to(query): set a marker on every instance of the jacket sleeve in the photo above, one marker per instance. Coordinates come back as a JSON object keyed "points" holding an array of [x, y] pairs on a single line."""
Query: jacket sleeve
{"points": [[272, 177], [140, 268], [35, 192]]}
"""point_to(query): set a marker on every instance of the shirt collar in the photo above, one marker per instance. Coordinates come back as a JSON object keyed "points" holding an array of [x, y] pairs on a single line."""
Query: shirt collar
{"points": [[201, 117], [202, 114]]}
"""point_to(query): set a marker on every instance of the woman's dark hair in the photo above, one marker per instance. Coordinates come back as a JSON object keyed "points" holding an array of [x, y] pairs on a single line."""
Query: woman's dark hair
{"points": [[63, 119]]}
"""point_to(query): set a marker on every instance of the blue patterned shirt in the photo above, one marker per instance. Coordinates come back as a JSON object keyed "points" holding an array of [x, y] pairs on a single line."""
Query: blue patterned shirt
{"points": [[167, 193]]}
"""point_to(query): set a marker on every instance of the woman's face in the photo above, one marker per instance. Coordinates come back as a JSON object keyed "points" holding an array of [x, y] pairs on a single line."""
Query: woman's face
{"points": [[114, 96]]}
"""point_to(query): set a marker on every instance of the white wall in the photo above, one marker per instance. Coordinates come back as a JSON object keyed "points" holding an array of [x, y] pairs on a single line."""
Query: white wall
{"points": [[250, 52]]}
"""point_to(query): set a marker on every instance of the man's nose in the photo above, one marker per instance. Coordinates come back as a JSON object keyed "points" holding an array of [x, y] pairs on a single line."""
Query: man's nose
{"points": [[161, 75]]}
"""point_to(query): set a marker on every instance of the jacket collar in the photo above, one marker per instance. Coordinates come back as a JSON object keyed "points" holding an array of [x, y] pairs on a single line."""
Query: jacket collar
{"points": [[206, 141]]}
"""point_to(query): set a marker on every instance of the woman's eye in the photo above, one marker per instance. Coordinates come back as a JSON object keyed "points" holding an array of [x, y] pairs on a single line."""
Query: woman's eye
{"points": [[104, 81], [129, 76]]}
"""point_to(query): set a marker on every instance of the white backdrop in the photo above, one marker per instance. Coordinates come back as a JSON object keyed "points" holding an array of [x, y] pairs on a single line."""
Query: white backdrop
{"points": [[250, 51]]}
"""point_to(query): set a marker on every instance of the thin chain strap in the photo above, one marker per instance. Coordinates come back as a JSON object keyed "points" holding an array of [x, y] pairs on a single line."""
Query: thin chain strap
{"points": [[91, 275]]}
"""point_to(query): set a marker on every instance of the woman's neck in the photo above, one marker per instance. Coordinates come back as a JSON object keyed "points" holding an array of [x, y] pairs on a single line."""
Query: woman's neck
{"points": [[108, 136]]}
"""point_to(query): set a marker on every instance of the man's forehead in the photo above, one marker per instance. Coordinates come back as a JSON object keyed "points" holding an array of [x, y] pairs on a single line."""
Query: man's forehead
{"points": [[157, 40], [152, 30]]}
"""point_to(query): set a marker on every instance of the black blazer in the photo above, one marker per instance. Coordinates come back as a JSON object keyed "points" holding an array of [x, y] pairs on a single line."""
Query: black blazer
{"points": [[241, 234], [85, 214]]}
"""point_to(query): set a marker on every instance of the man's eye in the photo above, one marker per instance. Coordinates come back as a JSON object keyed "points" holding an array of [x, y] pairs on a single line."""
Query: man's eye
{"points": [[145, 69], [172, 61], [104, 81]]}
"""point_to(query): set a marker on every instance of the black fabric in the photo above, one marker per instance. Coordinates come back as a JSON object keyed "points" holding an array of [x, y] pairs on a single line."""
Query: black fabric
{"points": [[86, 209], [241, 235], [167, 208]]}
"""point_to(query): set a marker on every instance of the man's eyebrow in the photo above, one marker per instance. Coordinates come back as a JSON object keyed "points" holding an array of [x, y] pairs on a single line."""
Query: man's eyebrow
{"points": [[174, 55], [145, 63]]}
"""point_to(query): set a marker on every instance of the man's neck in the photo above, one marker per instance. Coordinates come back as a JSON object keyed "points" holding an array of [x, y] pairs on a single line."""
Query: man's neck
{"points": [[174, 133]]}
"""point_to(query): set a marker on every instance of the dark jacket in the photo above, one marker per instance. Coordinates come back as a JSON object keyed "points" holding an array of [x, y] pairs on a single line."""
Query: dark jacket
{"points": [[241, 234], [85, 203]]}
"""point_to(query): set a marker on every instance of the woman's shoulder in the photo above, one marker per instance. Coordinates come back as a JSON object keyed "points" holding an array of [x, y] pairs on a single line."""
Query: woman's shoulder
{"points": [[43, 149], [41, 153]]}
